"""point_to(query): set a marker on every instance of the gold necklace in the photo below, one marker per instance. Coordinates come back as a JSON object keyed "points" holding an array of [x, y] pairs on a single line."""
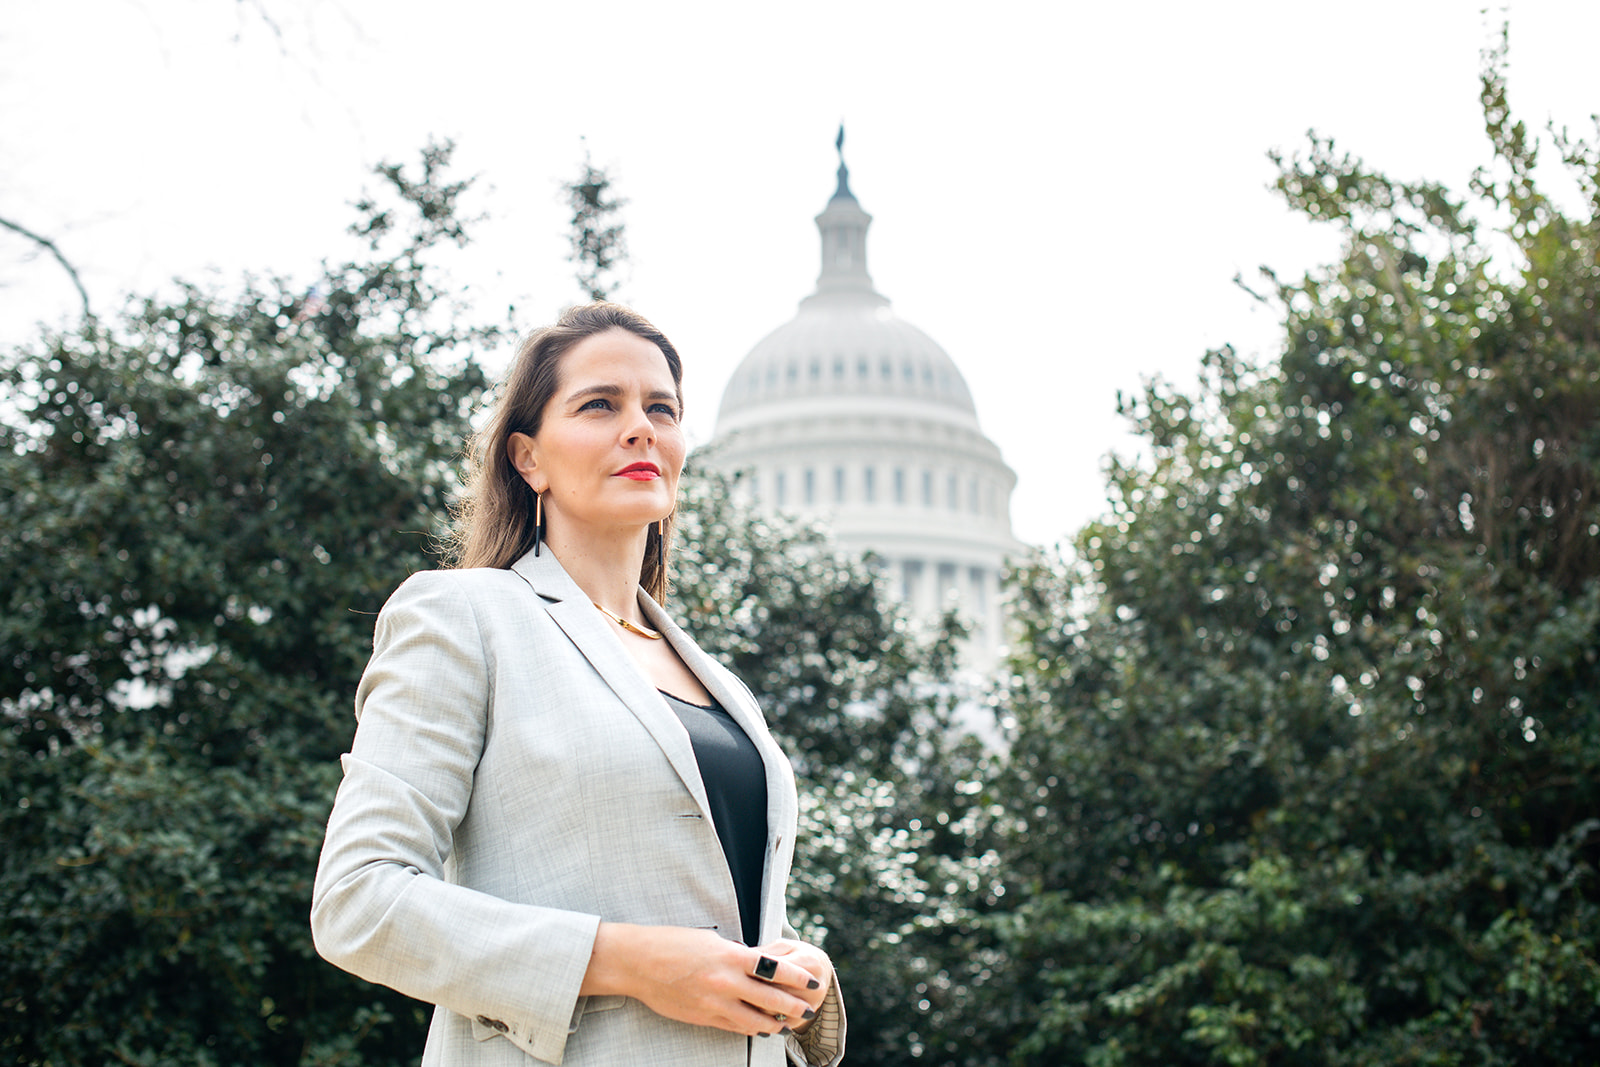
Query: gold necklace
{"points": [[651, 635]]}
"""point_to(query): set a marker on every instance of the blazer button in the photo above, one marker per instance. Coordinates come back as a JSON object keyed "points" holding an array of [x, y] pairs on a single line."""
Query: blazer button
{"points": [[493, 1023]]}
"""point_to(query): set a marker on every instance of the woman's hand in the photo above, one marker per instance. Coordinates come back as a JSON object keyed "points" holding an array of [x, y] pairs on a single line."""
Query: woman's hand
{"points": [[699, 977], [810, 984]]}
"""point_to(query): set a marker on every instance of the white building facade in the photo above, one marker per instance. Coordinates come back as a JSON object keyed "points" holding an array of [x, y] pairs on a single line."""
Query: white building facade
{"points": [[852, 416]]}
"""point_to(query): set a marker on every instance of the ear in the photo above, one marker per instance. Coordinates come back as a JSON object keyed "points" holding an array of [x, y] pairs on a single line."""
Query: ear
{"points": [[524, 456]]}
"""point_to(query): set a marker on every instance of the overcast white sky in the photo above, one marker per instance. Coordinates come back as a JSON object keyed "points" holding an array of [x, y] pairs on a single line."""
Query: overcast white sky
{"points": [[1062, 191]]}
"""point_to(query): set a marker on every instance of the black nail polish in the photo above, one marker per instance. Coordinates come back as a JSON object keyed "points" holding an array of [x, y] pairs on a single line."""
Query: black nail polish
{"points": [[808, 1014], [786, 1030], [763, 1035], [813, 984]]}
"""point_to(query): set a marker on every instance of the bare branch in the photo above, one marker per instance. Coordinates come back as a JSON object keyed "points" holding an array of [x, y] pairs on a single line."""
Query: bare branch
{"points": [[50, 246]]}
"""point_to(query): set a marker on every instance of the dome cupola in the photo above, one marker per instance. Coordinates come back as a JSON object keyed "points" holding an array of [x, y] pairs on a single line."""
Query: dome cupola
{"points": [[843, 225]]}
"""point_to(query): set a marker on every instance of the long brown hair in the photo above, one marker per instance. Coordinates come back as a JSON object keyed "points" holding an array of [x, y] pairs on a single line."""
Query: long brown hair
{"points": [[494, 520]]}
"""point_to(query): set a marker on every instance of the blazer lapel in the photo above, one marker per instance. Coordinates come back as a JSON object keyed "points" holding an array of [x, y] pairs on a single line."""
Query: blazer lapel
{"points": [[575, 614], [720, 684], [782, 803]]}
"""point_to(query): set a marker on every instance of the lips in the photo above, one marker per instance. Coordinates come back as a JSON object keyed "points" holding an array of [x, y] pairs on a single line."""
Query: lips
{"points": [[640, 472]]}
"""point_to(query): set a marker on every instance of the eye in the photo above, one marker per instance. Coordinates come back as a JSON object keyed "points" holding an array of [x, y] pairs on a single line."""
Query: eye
{"points": [[599, 403], [664, 409]]}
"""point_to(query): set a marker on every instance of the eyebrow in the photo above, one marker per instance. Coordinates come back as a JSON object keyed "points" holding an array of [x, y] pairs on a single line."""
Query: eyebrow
{"points": [[608, 390]]}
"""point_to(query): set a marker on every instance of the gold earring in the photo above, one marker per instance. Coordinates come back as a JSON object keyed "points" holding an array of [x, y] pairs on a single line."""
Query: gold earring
{"points": [[538, 522]]}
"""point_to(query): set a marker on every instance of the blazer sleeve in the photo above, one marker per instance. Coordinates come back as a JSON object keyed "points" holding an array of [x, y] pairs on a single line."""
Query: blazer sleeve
{"points": [[382, 907]]}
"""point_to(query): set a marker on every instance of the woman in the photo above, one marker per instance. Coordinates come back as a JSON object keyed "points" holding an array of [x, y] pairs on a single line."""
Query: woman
{"points": [[561, 821]]}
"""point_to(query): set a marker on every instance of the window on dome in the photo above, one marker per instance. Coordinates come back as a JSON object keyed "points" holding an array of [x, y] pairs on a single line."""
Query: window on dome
{"points": [[863, 371], [952, 493], [910, 578], [838, 370], [868, 488], [899, 485], [780, 490], [794, 373], [838, 485], [927, 489], [972, 496], [927, 377], [910, 373], [887, 370], [810, 487], [816, 370]]}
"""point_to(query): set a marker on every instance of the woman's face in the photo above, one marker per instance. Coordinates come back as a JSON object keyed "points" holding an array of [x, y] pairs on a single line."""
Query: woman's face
{"points": [[610, 448]]}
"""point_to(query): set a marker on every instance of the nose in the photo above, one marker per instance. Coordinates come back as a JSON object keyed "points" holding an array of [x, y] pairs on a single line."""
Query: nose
{"points": [[639, 430]]}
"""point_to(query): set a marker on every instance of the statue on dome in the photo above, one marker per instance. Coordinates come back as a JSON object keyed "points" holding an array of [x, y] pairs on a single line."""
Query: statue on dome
{"points": [[844, 171]]}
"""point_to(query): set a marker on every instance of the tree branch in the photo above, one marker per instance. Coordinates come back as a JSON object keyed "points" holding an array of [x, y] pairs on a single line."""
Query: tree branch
{"points": [[50, 246]]}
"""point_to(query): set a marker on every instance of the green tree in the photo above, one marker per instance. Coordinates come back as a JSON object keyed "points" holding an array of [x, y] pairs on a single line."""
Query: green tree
{"points": [[598, 236], [202, 508], [1307, 763]]}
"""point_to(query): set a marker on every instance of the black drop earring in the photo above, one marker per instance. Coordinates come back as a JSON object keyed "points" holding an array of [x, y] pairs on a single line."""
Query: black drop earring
{"points": [[538, 522]]}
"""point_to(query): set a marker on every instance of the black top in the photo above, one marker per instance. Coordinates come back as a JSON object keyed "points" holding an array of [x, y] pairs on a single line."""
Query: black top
{"points": [[736, 786]]}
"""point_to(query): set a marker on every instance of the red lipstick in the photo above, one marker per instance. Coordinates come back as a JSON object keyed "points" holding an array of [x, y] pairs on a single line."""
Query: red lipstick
{"points": [[640, 472]]}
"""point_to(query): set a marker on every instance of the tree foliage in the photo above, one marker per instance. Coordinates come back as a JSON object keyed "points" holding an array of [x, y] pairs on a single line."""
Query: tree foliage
{"points": [[203, 507], [599, 239], [1307, 766]]}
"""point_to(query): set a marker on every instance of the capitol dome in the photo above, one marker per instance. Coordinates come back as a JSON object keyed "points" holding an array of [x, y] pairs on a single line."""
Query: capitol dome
{"points": [[850, 415], [844, 348]]}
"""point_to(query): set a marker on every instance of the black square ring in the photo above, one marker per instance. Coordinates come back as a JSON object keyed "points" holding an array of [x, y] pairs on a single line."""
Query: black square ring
{"points": [[766, 967]]}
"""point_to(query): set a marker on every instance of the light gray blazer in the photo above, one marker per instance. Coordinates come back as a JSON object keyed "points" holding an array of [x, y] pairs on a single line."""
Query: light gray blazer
{"points": [[514, 780]]}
